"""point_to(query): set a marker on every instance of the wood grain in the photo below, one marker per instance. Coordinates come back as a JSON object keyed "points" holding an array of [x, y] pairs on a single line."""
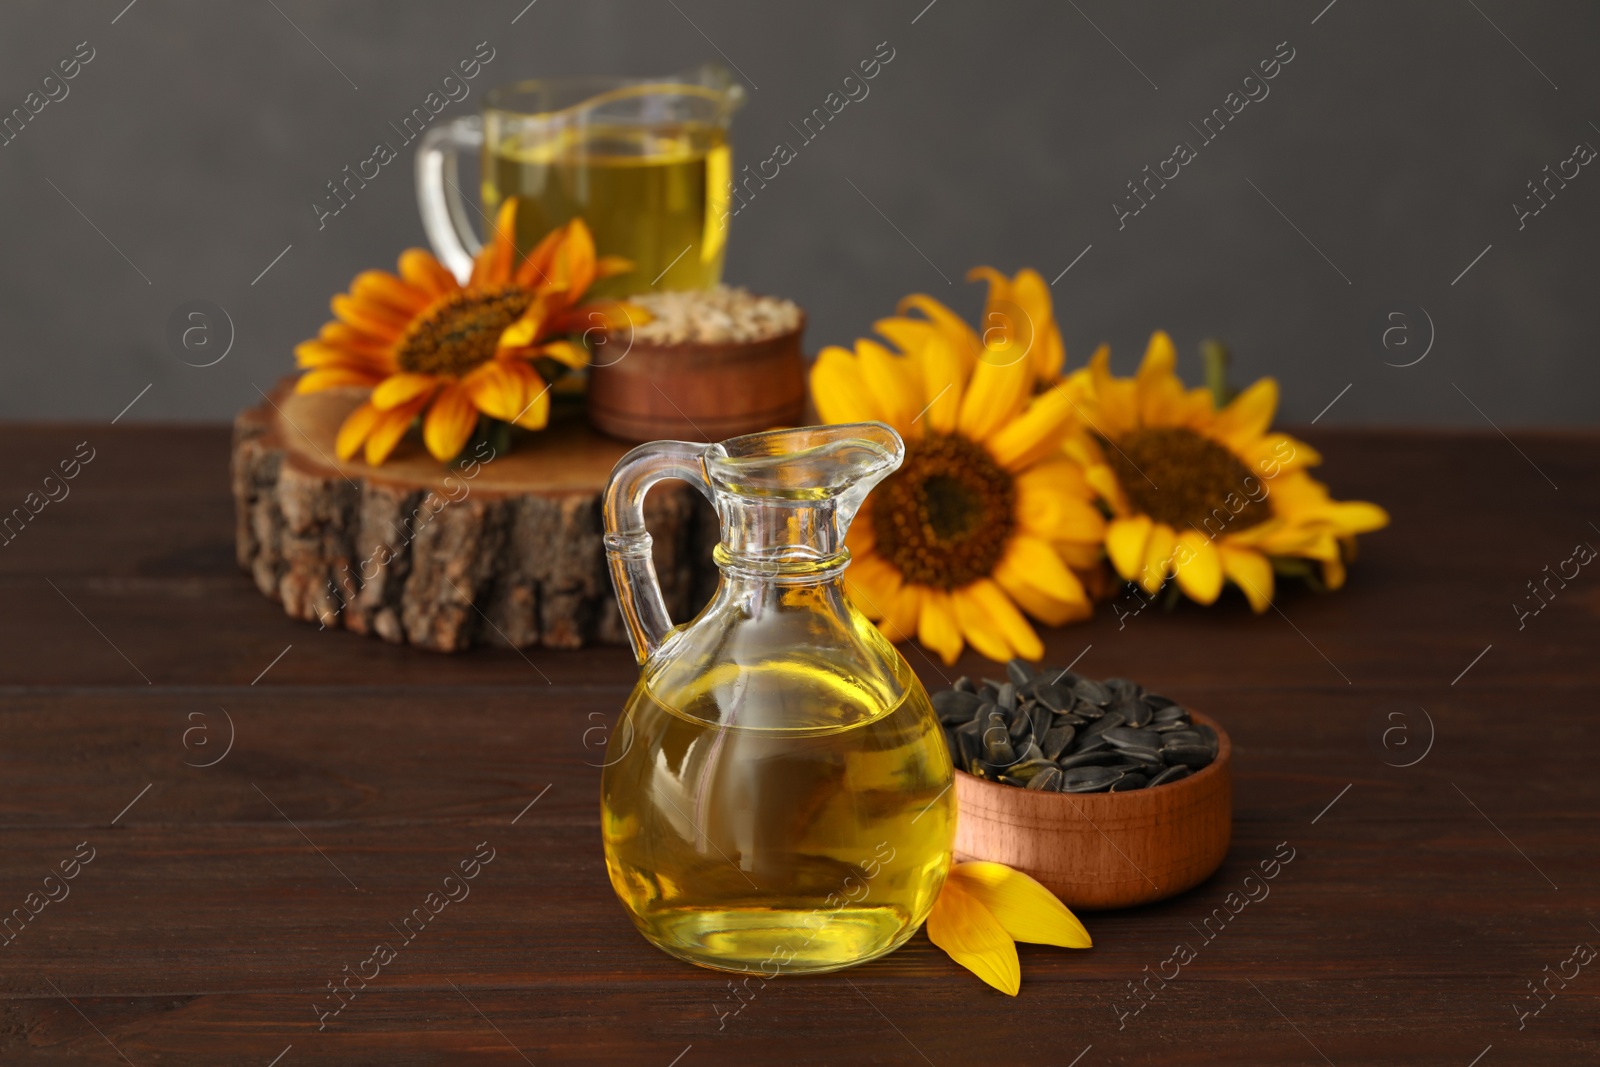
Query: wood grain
{"points": [[1418, 905]]}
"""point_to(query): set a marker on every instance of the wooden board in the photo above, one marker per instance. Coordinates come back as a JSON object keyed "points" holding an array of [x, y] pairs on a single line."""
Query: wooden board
{"points": [[1419, 903], [504, 552]]}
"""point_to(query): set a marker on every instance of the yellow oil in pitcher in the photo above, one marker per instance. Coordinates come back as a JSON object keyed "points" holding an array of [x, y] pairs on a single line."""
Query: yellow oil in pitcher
{"points": [[654, 195], [779, 850]]}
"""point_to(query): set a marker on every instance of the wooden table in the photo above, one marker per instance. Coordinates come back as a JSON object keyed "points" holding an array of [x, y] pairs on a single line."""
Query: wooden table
{"points": [[222, 901]]}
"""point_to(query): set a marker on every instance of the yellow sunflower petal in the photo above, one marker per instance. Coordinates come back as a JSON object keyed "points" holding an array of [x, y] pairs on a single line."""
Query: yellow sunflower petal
{"points": [[1158, 551], [567, 353], [1032, 294], [936, 625], [389, 428], [313, 354], [974, 938], [1251, 572], [837, 389], [872, 584], [1037, 433], [314, 381], [1026, 910], [496, 389], [995, 393], [979, 626], [370, 318], [381, 287], [400, 389], [1116, 409], [942, 383], [1249, 415], [492, 266], [419, 267], [1160, 394], [1198, 566], [611, 266], [1029, 562], [899, 622], [1002, 613], [450, 422], [536, 411], [353, 432], [1126, 541], [954, 328], [892, 380]]}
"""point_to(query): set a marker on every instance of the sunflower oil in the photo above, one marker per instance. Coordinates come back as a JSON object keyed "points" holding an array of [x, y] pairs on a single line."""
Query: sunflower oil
{"points": [[655, 195], [806, 829]]}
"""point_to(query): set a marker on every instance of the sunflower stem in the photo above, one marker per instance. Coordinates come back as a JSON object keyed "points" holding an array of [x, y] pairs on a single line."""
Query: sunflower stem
{"points": [[495, 433], [1216, 356]]}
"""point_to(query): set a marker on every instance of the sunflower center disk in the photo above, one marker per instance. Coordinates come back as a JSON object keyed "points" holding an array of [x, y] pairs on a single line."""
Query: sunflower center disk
{"points": [[461, 331], [944, 517], [1181, 478]]}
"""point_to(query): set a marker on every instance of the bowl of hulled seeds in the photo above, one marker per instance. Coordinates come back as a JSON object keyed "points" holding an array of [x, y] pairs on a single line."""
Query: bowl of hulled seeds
{"points": [[1108, 794]]}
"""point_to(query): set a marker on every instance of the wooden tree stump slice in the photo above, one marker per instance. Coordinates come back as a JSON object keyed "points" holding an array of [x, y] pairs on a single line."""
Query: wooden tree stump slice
{"points": [[504, 552]]}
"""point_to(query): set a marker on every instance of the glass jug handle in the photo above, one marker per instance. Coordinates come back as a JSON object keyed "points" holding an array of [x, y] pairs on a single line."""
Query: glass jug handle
{"points": [[439, 196], [633, 569]]}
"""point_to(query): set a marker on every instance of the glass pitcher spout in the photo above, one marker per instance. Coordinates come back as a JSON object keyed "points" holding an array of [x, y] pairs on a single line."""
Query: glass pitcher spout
{"points": [[777, 794]]}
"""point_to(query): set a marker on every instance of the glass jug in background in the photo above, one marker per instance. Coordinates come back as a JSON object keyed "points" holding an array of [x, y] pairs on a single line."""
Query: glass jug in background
{"points": [[776, 798], [645, 162]]}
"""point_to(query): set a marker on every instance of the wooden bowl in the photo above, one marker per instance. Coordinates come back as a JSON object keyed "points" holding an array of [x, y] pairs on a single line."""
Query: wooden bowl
{"points": [[1104, 850], [697, 390]]}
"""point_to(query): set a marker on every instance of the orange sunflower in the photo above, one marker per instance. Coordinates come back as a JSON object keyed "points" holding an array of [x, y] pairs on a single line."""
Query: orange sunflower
{"points": [[1202, 495], [986, 517], [432, 347]]}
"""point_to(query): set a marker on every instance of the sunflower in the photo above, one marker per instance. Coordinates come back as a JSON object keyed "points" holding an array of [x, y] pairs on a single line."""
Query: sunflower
{"points": [[1201, 494], [427, 344], [1018, 323], [986, 516]]}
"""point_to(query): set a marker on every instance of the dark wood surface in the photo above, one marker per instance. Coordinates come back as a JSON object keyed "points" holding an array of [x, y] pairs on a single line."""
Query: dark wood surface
{"points": [[218, 907]]}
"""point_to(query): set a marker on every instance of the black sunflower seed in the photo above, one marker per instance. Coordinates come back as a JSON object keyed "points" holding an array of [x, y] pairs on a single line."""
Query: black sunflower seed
{"points": [[1168, 712], [1127, 737], [954, 706], [1056, 741], [1047, 780], [1057, 698], [1101, 757], [1136, 712], [1109, 721], [1092, 691], [964, 684], [1019, 672], [1088, 779], [1193, 756], [1171, 774], [1127, 782]]}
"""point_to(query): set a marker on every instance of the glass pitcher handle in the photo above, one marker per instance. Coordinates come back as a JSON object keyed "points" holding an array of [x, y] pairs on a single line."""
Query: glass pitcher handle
{"points": [[633, 570], [439, 196]]}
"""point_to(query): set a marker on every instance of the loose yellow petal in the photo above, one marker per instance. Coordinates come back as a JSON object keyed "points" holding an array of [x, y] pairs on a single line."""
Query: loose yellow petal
{"points": [[1198, 566], [450, 422], [1026, 910], [1251, 572], [1126, 541], [974, 938]]}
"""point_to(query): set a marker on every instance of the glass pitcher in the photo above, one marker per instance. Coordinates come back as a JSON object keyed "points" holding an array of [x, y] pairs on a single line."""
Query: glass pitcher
{"points": [[646, 162], [776, 798]]}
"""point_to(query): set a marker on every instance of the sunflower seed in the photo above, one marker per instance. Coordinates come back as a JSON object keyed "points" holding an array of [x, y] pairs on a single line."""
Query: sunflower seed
{"points": [[1109, 721], [1102, 757], [1047, 780], [1056, 740], [1088, 779], [968, 748], [1027, 767], [1019, 672], [1193, 756], [1127, 782], [1089, 743], [1057, 698], [954, 706], [1127, 737], [1167, 712], [1209, 736], [1069, 719], [1021, 726], [1092, 691], [963, 684], [1182, 737], [1164, 728], [1011, 779], [1087, 710], [1136, 712], [1006, 696], [1171, 774]]}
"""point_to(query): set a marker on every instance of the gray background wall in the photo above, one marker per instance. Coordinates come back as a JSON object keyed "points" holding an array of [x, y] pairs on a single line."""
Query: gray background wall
{"points": [[1395, 143]]}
